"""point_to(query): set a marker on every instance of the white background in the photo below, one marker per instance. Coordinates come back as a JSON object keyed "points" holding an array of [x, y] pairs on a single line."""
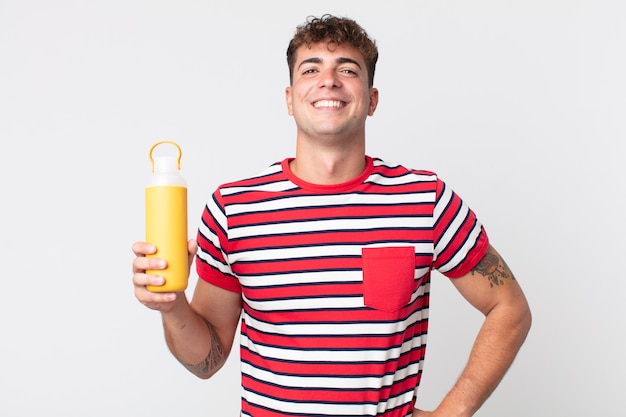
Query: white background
{"points": [[518, 105]]}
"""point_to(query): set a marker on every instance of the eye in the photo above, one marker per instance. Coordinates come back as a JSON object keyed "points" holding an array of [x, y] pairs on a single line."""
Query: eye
{"points": [[309, 71], [349, 71]]}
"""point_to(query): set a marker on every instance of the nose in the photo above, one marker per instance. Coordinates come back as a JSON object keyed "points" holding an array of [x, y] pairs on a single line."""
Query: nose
{"points": [[329, 79]]}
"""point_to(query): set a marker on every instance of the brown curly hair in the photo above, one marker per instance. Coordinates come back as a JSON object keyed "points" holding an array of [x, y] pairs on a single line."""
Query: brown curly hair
{"points": [[337, 31]]}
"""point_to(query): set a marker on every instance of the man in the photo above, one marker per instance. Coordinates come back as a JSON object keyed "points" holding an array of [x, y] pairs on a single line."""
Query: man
{"points": [[326, 257]]}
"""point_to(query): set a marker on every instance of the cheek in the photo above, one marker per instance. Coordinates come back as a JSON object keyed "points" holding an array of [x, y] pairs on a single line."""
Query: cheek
{"points": [[296, 103]]}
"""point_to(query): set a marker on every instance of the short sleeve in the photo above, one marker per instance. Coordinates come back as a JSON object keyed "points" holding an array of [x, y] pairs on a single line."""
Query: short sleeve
{"points": [[212, 258], [460, 240]]}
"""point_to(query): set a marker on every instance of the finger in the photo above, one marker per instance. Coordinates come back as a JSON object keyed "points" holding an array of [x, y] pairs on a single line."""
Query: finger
{"points": [[192, 249], [143, 280], [142, 264], [192, 246], [143, 248], [154, 300]]}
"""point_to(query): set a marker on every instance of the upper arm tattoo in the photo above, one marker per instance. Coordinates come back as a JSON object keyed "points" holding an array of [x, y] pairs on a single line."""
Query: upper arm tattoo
{"points": [[213, 358], [493, 267]]}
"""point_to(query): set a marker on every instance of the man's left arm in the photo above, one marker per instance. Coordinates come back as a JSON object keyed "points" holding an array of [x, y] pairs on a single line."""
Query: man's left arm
{"points": [[491, 288]]}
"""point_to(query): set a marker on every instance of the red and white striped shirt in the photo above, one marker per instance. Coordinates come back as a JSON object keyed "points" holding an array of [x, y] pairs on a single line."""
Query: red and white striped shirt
{"points": [[335, 284]]}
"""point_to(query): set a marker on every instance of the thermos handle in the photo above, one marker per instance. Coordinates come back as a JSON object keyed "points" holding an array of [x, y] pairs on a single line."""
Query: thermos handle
{"points": [[180, 152]]}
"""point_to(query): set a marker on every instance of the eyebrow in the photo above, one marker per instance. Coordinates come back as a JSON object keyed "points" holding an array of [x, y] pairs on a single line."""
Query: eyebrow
{"points": [[340, 60]]}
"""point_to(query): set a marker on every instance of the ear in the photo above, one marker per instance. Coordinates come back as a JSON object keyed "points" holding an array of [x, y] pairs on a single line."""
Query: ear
{"points": [[373, 101], [288, 100]]}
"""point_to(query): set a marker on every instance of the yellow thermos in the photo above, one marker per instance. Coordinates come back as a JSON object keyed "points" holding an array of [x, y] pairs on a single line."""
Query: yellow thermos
{"points": [[166, 219]]}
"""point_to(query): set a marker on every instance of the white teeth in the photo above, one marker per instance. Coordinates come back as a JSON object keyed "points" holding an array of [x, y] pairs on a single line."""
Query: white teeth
{"points": [[328, 103]]}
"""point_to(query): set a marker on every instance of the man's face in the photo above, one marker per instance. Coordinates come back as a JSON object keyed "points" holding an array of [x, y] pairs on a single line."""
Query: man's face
{"points": [[330, 94]]}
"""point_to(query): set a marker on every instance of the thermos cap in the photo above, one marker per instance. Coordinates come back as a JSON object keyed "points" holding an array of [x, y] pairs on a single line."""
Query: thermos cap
{"points": [[165, 164]]}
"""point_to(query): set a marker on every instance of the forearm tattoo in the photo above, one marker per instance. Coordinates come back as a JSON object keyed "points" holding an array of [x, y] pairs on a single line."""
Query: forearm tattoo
{"points": [[493, 267], [214, 357]]}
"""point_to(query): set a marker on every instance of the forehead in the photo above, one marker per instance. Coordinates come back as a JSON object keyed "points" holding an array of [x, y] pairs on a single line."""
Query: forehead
{"points": [[326, 51]]}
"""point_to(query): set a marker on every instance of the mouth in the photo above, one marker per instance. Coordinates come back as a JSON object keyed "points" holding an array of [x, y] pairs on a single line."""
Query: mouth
{"points": [[329, 104]]}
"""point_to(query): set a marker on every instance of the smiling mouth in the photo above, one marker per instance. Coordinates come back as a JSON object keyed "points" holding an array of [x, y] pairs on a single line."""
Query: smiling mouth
{"points": [[335, 104]]}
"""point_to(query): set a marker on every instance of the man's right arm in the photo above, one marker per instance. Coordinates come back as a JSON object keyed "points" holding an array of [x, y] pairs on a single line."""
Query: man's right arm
{"points": [[199, 334]]}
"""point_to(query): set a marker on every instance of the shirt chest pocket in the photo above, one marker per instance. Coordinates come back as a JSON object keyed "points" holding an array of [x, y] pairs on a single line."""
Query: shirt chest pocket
{"points": [[388, 277]]}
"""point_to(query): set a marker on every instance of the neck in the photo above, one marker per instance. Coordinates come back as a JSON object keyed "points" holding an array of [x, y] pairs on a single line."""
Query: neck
{"points": [[328, 165]]}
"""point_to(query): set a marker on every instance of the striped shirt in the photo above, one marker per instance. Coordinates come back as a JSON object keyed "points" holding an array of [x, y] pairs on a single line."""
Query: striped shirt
{"points": [[335, 284]]}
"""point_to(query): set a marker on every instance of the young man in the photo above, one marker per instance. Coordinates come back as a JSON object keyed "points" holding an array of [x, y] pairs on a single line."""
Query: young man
{"points": [[327, 258]]}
